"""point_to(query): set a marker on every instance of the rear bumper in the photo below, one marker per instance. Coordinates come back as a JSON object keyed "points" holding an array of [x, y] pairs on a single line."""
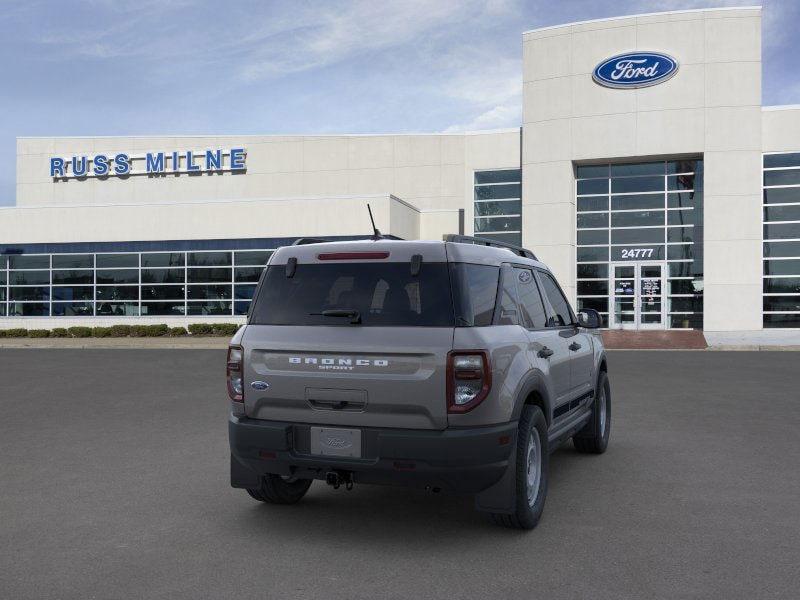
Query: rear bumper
{"points": [[459, 460]]}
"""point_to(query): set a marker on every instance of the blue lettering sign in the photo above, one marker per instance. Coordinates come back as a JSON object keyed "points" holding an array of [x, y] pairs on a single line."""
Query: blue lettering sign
{"points": [[213, 160], [237, 159], [122, 166], [190, 166], [56, 167], [100, 163], [154, 162], [635, 70]]}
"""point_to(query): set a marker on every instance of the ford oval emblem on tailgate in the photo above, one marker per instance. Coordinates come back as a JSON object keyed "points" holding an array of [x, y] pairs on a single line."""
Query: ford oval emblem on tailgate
{"points": [[259, 385]]}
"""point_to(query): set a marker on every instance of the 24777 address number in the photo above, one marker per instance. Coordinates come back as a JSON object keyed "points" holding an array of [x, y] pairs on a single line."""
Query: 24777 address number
{"points": [[637, 252]]}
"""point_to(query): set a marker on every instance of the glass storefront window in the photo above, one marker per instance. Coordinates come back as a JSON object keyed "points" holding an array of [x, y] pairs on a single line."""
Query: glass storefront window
{"points": [[117, 261], [498, 205], [29, 261], [209, 275], [117, 276], [29, 277], [208, 259], [781, 215], [129, 284], [640, 212], [66, 277], [163, 259], [73, 261], [163, 276], [247, 274], [249, 257]]}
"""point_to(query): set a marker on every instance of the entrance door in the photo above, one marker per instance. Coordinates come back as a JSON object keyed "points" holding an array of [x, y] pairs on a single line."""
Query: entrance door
{"points": [[637, 295]]}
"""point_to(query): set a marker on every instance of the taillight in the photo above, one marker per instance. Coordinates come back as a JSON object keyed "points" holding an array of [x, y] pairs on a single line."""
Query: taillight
{"points": [[234, 373], [469, 379]]}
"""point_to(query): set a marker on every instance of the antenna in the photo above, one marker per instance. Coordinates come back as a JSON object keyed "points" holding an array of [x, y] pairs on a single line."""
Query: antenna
{"points": [[376, 234]]}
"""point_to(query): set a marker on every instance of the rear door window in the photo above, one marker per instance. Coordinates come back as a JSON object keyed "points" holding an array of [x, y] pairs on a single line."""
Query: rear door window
{"points": [[530, 299], [474, 293], [384, 294], [562, 314], [508, 313]]}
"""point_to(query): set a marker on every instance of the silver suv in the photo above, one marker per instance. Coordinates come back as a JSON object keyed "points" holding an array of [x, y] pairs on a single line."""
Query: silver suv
{"points": [[455, 365]]}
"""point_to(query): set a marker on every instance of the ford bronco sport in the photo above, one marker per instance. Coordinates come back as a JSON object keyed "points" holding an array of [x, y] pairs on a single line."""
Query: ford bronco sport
{"points": [[455, 365]]}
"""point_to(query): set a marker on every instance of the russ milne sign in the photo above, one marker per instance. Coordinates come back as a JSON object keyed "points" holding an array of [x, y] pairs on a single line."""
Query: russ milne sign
{"points": [[150, 163], [635, 70]]}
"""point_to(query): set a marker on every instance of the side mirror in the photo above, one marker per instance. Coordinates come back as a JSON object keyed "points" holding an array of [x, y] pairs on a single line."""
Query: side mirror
{"points": [[589, 318]]}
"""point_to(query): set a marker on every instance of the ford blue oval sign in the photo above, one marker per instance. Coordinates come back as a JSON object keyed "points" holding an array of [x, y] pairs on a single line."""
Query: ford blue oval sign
{"points": [[635, 70]]}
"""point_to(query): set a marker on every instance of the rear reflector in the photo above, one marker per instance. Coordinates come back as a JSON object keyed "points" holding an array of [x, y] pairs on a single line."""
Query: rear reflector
{"points": [[266, 454], [352, 255]]}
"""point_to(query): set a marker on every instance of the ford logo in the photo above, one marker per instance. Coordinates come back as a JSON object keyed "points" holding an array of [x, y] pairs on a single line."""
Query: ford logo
{"points": [[259, 385], [635, 70], [336, 442]]}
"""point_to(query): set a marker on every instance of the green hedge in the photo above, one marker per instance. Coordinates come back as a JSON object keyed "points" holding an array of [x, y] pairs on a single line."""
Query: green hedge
{"points": [[80, 332], [199, 329], [17, 332]]}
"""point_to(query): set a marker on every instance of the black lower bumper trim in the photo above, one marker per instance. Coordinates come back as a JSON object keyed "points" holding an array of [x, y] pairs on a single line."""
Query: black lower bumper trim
{"points": [[460, 460]]}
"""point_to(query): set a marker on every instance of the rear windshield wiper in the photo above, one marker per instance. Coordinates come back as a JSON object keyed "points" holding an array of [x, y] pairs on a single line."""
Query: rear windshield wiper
{"points": [[353, 315]]}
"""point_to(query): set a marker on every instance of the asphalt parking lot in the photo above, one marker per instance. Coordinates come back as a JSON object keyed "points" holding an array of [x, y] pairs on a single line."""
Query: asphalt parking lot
{"points": [[113, 484]]}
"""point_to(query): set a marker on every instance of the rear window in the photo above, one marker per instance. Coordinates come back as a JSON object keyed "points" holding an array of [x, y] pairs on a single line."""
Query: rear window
{"points": [[384, 294], [474, 293]]}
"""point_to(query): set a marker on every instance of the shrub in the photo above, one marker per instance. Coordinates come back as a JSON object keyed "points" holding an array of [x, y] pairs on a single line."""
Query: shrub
{"points": [[16, 332], [138, 330], [101, 332], [80, 332], [226, 329], [39, 333], [120, 330], [201, 329], [59, 332], [156, 330], [177, 331], [2, 333]]}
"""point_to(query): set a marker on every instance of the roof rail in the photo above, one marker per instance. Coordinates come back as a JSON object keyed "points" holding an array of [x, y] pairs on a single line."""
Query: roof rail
{"points": [[309, 240], [478, 241]]}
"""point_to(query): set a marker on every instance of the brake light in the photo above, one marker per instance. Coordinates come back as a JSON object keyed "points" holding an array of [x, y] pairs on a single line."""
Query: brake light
{"points": [[352, 255], [234, 373], [469, 379]]}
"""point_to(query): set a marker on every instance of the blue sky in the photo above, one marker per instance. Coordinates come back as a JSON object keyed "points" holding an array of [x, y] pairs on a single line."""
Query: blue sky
{"points": [[104, 67]]}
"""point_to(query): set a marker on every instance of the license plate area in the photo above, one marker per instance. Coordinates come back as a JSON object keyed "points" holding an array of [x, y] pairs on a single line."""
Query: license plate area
{"points": [[330, 441]]}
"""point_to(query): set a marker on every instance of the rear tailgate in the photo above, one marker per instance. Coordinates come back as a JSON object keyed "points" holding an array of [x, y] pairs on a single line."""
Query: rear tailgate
{"points": [[347, 375]]}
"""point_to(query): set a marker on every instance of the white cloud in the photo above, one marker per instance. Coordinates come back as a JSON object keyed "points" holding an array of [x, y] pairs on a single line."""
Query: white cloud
{"points": [[497, 117]]}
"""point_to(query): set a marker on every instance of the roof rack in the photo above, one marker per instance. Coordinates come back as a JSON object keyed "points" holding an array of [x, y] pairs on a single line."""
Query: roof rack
{"points": [[309, 240], [478, 241]]}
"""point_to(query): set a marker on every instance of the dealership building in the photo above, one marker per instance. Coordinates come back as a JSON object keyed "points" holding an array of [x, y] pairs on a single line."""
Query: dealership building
{"points": [[646, 173]]}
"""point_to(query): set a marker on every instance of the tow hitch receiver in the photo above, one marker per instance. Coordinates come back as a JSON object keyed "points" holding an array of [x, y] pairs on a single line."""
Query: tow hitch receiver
{"points": [[338, 478]]}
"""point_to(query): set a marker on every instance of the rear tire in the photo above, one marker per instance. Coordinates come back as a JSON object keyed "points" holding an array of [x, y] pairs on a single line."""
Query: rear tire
{"points": [[593, 438], [277, 490], [533, 458]]}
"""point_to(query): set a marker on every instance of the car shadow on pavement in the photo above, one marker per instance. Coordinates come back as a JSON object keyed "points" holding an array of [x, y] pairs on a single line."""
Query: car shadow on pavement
{"points": [[388, 512]]}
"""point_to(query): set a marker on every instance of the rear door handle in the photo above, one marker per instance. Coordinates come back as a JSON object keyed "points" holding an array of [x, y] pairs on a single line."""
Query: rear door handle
{"points": [[574, 346], [545, 352]]}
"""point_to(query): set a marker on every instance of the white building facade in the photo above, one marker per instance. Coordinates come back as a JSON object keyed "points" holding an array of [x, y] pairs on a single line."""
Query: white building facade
{"points": [[646, 173]]}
